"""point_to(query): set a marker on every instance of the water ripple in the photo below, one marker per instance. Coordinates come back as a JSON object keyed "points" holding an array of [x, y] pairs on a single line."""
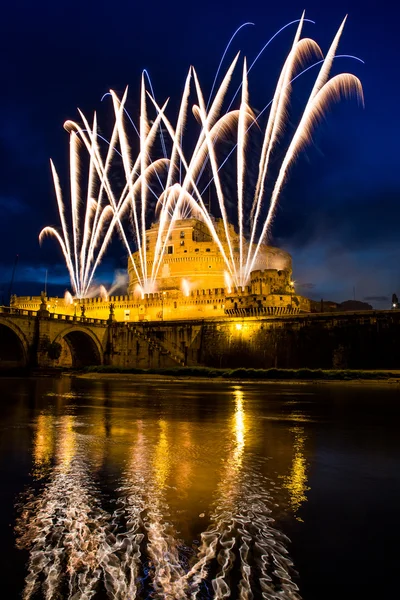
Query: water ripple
{"points": [[79, 550]]}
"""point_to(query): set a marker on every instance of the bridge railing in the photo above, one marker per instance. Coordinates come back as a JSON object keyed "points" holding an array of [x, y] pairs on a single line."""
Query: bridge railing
{"points": [[78, 319], [11, 310]]}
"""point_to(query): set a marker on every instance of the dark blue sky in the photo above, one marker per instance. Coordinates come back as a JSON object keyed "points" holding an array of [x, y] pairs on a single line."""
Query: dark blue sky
{"points": [[339, 212]]}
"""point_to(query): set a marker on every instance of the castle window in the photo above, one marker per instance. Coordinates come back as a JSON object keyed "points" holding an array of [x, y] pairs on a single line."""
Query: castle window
{"points": [[182, 242], [196, 249], [182, 234], [185, 250], [209, 266], [170, 249], [175, 305], [208, 250]]}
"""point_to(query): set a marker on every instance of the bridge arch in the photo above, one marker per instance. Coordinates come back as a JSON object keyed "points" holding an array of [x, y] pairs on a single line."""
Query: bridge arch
{"points": [[14, 348], [84, 346]]}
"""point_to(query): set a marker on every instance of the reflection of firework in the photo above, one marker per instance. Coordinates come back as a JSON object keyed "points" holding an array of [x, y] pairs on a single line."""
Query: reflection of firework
{"points": [[177, 177], [63, 527], [242, 527], [77, 549]]}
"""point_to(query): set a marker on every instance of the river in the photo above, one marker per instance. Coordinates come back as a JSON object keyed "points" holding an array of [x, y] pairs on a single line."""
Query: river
{"points": [[154, 488]]}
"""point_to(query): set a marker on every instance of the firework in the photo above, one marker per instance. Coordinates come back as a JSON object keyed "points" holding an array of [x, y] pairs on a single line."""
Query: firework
{"points": [[167, 188]]}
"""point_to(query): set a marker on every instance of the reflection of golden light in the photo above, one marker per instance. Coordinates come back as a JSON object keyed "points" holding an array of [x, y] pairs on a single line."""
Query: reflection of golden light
{"points": [[184, 467], [161, 456], [296, 481], [98, 448], [239, 429], [67, 442], [239, 418], [239, 326], [43, 444], [139, 462]]}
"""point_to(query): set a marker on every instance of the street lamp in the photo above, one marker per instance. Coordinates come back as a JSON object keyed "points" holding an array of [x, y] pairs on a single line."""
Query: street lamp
{"points": [[291, 293]]}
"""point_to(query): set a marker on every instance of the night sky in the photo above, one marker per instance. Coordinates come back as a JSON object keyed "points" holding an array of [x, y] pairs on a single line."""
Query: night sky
{"points": [[339, 212]]}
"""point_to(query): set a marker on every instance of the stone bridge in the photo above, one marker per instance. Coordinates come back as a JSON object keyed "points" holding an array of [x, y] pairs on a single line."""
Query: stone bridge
{"points": [[46, 340], [364, 340]]}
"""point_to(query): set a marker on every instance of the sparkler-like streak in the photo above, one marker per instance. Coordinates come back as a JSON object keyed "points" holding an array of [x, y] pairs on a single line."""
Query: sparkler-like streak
{"points": [[178, 195], [63, 527], [78, 549], [242, 528]]}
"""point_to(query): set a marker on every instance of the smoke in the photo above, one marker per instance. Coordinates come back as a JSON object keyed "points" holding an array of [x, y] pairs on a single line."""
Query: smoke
{"points": [[305, 286], [342, 272], [120, 283], [68, 299]]}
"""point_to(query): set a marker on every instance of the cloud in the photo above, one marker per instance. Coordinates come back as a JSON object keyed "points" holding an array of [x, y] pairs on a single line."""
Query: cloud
{"points": [[306, 286], [340, 272], [377, 298], [13, 206], [362, 221], [20, 139]]}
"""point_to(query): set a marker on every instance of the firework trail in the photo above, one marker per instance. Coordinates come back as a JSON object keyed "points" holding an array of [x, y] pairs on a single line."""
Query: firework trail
{"points": [[177, 175]]}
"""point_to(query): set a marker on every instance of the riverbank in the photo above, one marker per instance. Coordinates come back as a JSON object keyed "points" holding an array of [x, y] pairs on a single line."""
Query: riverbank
{"points": [[294, 375], [201, 373]]}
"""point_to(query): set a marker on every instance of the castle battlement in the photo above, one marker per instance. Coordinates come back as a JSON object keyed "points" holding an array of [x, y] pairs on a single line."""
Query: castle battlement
{"points": [[191, 282]]}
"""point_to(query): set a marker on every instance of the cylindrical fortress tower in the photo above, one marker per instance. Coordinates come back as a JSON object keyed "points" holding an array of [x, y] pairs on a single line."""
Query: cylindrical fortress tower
{"points": [[192, 259]]}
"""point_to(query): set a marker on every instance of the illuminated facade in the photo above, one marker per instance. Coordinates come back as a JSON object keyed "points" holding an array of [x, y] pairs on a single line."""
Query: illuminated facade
{"points": [[191, 282], [192, 260]]}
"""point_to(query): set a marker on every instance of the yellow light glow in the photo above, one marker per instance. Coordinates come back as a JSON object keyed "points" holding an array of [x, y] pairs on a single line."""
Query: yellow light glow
{"points": [[43, 445], [239, 430], [296, 481], [67, 442], [239, 419], [162, 463], [239, 326]]}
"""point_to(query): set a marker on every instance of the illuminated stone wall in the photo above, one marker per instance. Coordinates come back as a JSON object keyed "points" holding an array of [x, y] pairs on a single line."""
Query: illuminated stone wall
{"points": [[366, 340], [174, 305], [191, 282], [191, 256]]}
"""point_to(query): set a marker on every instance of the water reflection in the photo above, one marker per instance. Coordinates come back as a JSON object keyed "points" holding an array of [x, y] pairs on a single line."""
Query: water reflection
{"points": [[296, 480], [241, 532], [124, 539], [63, 526], [43, 445], [239, 427]]}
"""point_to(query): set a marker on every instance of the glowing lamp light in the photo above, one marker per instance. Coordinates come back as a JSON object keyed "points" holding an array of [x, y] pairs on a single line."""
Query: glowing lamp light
{"points": [[239, 326]]}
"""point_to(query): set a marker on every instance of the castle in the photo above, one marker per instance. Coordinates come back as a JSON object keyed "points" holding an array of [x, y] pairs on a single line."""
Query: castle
{"points": [[191, 282]]}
